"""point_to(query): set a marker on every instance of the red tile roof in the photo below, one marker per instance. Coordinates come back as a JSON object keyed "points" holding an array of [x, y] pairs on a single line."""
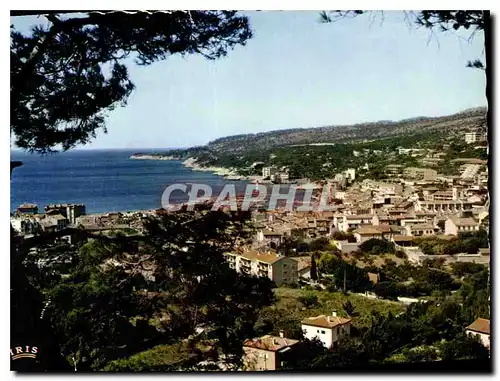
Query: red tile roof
{"points": [[270, 343], [480, 325], [325, 321]]}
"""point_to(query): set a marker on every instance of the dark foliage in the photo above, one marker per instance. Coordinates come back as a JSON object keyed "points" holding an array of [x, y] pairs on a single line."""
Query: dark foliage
{"points": [[66, 77]]}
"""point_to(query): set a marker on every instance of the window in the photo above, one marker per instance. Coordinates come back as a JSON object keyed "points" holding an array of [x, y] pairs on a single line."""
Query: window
{"points": [[323, 332], [284, 272], [317, 331], [284, 264]]}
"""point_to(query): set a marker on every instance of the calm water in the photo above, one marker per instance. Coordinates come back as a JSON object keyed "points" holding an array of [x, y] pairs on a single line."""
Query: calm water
{"points": [[103, 180]]}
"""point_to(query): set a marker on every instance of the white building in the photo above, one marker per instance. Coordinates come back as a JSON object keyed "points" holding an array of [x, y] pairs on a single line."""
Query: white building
{"points": [[474, 137], [278, 268], [346, 222], [267, 172], [328, 329], [455, 225], [481, 328], [24, 225], [350, 173]]}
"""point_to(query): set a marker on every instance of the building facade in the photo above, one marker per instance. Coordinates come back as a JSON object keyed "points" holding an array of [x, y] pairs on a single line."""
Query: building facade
{"points": [[328, 329], [278, 268]]}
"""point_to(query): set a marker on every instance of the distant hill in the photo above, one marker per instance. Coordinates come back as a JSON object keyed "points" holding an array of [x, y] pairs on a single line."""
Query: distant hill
{"points": [[465, 120]]}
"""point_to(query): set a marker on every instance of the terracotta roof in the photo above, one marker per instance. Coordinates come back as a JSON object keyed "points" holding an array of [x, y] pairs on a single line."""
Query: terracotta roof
{"points": [[464, 221], [263, 257], [373, 229], [421, 226], [480, 325], [325, 321], [270, 343]]}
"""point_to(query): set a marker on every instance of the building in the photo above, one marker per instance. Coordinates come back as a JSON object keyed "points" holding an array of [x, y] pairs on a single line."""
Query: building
{"points": [[60, 221], [366, 233], [328, 329], [278, 268], [70, 211], [475, 137], [442, 206], [456, 225], [350, 174], [27, 209], [426, 174], [280, 177], [267, 172], [481, 328], [420, 230], [267, 352], [393, 169], [347, 222], [271, 238], [346, 246], [25, 225]]}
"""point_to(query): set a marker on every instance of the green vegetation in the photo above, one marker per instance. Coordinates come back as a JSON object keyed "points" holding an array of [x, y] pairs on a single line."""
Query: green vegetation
{"points": [[465, 243], [318, 162], [109, 303], [289, 310]]}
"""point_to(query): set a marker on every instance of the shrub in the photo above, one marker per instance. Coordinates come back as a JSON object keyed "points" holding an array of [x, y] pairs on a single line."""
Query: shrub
{"points": [[401, 254], [308, 300], [377, 246]]}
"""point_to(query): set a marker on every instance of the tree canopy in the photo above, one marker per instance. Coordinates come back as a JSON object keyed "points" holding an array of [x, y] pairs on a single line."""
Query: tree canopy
{"points": [[66, 76]]}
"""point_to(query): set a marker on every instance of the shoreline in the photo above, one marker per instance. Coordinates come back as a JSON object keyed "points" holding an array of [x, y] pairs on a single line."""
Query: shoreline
{"points": [[227, 173], [190, 162]]}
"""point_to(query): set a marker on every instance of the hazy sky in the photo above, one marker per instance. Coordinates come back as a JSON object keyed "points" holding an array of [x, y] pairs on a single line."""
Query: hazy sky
{"points": [[297, 72]]}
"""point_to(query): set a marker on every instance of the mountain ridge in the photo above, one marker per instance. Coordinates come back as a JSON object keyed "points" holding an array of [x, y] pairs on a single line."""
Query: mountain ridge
{"points": [[469, 118]]}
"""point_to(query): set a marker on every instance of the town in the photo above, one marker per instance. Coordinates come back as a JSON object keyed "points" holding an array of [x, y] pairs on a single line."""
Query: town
{"points": [[414, 218]]}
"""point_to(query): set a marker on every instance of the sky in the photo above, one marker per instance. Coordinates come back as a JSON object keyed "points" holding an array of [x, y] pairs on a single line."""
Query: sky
{"points": [[297, 72]]}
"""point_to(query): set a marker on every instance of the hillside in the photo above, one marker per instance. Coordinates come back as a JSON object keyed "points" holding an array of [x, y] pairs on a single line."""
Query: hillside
{"points": [[364, 131]]}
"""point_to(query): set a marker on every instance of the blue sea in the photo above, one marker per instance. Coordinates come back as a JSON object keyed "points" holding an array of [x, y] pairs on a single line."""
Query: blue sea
{"points": [[103, 180]]}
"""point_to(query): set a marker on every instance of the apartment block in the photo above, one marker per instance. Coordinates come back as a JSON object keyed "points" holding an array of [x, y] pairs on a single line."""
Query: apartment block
{"points": [[278, 268]]}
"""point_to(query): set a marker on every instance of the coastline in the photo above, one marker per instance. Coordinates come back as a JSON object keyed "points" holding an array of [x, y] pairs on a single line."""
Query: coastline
{"points": [[190, 162], [227, 173]]}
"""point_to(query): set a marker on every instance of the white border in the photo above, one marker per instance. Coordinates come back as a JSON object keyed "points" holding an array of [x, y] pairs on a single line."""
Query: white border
{"points": [[190, 4]]}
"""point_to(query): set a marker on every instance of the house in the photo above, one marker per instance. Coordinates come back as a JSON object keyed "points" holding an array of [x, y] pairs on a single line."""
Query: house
{"points": [[366, 233], [70, 211], [27, 209], [403, 240], [346, 246], [303, 266], [474, 137], [267, 172], [455, 225], [328, 329], [420, 173], [278, 268], [419, 230], [271, 238], [59, 221], [25, 225], [267, 352], [353, 221], [481, 328]]}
